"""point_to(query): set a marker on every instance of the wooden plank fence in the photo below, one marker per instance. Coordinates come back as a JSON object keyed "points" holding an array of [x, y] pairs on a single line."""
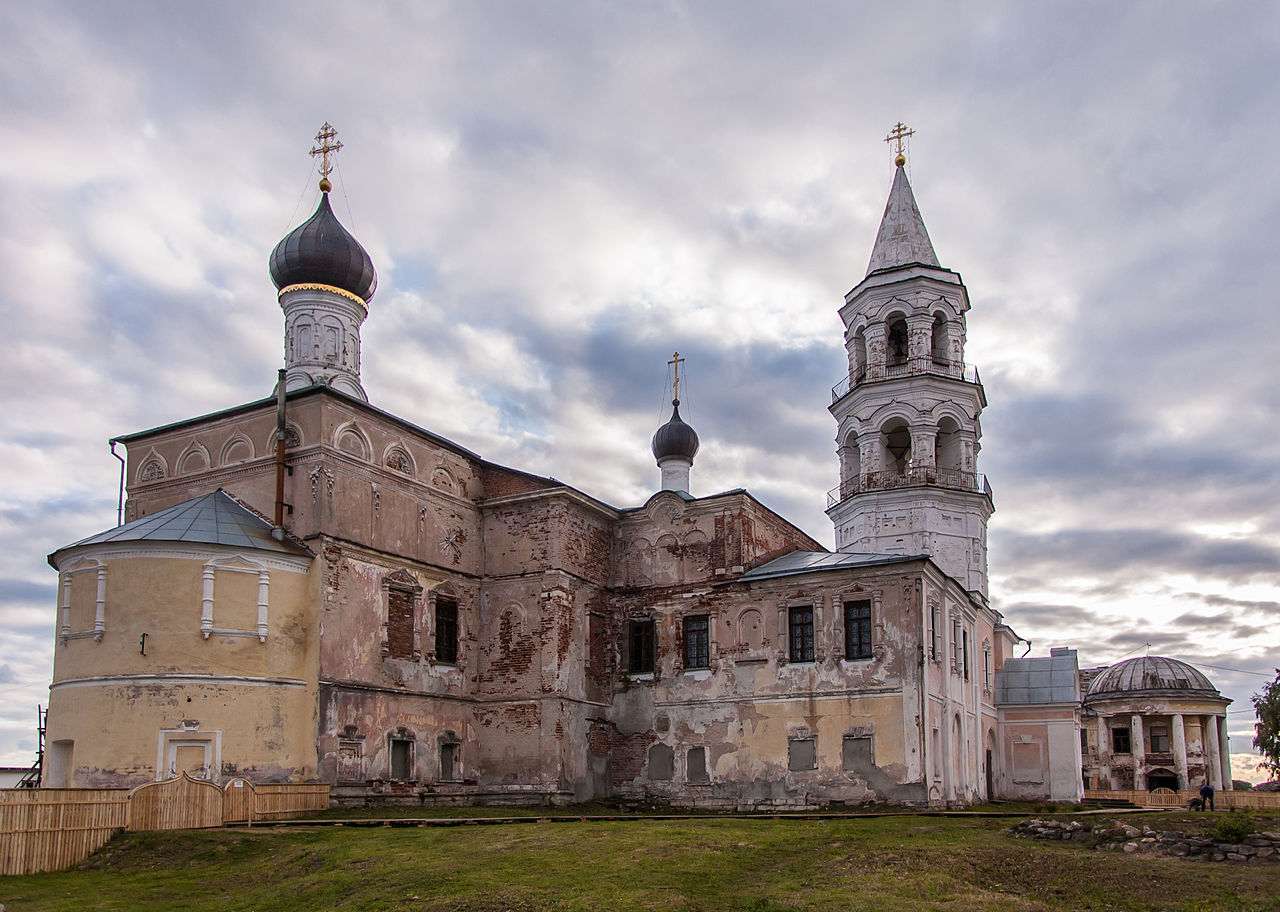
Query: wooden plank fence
{"points": [[1168, 798], [53, 829]]}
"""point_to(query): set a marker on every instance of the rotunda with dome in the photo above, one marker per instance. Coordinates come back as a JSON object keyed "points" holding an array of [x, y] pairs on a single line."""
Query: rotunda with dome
{"points": [[1153, 722]]}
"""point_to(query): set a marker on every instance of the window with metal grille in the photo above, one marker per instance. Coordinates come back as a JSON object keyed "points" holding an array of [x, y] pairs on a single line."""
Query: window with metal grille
{"points": [[697, 642], [640, 647], [857, 630], [446, 630], [801, 628]]}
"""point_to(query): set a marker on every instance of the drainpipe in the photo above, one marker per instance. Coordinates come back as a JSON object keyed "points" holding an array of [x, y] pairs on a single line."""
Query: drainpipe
{"points": [[120, 507], [278, 532]]}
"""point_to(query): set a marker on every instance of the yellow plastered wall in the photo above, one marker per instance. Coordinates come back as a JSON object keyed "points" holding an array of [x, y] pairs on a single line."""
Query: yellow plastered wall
{"points": [[130, 706]]}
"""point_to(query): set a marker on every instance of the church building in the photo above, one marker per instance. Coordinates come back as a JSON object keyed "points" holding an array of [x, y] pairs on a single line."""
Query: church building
{"points": [[308, 588]]}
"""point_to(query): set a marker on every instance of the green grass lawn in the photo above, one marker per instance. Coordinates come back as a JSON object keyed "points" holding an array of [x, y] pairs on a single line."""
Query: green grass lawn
{"points": [[882, 863]]}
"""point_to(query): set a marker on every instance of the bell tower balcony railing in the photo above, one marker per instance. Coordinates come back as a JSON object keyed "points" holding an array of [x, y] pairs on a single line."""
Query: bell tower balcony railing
{"points": [[957, 370], [921, 476]]}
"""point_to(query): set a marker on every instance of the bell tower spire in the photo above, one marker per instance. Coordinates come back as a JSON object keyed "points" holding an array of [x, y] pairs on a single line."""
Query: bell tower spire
{"points": [[908, 413]]}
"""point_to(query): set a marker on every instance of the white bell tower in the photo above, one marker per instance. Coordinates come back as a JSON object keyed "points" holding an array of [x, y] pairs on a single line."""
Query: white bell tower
{"points": [[908, 413]]}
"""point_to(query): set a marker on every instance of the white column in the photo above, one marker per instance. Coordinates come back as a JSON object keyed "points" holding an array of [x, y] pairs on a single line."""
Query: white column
{"points": [[66, 604], [263, 578], [100, 604], [1225, 753], [1139, 751], [1179, 749], [1213, 755], [206, 604], [1103, 745]]}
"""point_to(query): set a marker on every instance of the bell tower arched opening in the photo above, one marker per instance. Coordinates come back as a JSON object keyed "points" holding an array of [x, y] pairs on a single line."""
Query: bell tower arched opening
{"points": [[949, 446], [898, 345], [938, 339], [897, 446]]}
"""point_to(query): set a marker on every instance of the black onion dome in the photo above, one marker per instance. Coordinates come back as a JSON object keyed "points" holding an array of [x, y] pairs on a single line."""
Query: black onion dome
{"points": [[321, 252], [675, 438]]}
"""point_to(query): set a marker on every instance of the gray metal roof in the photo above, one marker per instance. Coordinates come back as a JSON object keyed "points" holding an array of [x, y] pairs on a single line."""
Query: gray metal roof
{"points": [[214, 519], [1153, 675], [1044, 679], [816, 561]]}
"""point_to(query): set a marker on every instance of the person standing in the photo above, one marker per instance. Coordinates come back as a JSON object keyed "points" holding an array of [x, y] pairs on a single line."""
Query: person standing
{"points": [[1206, 797]]}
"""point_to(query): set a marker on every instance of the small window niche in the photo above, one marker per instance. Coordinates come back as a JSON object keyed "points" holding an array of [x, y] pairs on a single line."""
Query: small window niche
{"points": [[856, 754], [802, 754], [450, 752], [696, 766], [401, 758]]}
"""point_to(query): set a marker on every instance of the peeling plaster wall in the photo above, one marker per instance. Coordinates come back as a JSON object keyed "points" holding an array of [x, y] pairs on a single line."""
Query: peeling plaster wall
{"points": [[538, 705]]}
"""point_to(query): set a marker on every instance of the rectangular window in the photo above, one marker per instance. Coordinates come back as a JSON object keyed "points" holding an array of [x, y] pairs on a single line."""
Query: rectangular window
{"points": [[857, 630], [1084, 740], [401, 759], [697, 642], [446, 630], [955, 644], [801, 627], [640, 647], [802, 754], [986, 669], [935, 642], [965, 653], [1120, 740], [855, 754], [1159, 739]]}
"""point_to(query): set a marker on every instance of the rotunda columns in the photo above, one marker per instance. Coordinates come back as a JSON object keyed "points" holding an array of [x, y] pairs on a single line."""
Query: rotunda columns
{"points": [[1102, 741], [1139, 751], [1179, 749], [1224, 753], [1213, 755]]}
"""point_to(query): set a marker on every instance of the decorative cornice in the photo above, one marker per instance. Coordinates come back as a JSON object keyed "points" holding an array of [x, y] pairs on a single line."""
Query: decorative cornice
{"points": [[333, 289], [160, 678], [192, 551]]}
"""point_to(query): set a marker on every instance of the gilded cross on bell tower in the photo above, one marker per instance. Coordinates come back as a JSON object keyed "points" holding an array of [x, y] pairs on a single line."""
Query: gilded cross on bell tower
{"points": [[328, 144], [898, 135], [675, 362]]}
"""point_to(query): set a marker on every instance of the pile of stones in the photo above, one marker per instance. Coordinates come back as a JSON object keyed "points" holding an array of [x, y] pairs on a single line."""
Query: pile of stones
{"points": [[1115, 836]]}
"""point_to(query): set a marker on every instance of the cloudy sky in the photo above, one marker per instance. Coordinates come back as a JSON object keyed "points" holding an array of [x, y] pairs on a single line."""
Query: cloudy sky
{"points": [[558, 195]]}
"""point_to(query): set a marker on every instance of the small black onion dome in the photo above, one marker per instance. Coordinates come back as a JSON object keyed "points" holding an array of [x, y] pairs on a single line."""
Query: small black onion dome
{"points": [[675, 438], [321, 252]]}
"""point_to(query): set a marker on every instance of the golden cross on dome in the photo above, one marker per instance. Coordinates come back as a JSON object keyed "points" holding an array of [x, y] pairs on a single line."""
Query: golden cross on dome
{"points": [[676, 361], [898, 135], [328, 144]]}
